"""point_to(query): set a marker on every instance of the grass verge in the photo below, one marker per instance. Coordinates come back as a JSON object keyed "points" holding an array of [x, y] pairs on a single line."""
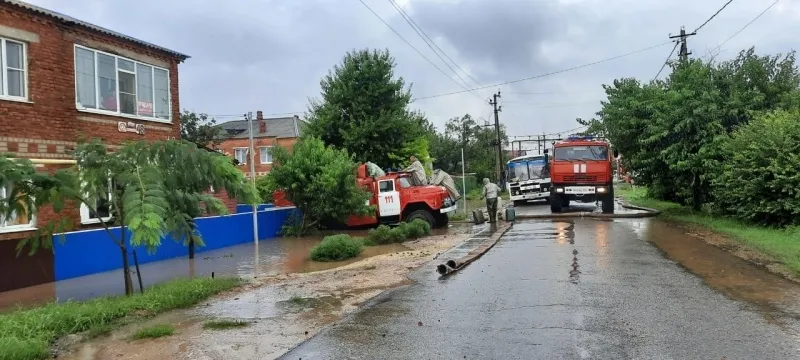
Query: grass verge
{"points": [[154, 332], [27, 334], [224, 324], [781, 245]]}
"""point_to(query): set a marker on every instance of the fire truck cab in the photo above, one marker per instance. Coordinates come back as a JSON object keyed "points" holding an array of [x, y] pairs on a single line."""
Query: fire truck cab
{"points": [[580, 169]]}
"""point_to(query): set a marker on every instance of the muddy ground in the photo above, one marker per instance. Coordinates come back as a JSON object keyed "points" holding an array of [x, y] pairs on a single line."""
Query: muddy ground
{"points": [[282, 311]]}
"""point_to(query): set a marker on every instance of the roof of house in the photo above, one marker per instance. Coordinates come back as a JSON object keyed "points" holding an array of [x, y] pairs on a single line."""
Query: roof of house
{"points": [[283, 127], [73, 21]]}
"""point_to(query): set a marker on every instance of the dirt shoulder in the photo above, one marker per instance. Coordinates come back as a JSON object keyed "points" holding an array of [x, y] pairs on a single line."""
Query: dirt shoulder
{"points": [[282, 311]]}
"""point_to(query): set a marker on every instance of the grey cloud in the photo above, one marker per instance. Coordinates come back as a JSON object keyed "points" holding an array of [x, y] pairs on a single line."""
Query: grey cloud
{"points": [[270, 54]]}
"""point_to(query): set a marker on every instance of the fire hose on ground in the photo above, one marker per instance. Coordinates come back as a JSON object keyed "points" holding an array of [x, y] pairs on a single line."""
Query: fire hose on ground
{"points": [[454, 265]]}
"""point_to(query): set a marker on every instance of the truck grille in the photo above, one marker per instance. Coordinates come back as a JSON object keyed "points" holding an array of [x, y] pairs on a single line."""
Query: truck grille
{"points": [[580, 178]]}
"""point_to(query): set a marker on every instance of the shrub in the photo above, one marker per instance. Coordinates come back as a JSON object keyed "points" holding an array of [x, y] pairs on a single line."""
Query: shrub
{"points": [[405, 231], [337, 248], [384, 234], [414, 230], [758, 180]]}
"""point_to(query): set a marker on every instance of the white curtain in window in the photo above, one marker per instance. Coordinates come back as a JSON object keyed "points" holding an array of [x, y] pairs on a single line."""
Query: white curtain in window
{"points": [[84, 76]]}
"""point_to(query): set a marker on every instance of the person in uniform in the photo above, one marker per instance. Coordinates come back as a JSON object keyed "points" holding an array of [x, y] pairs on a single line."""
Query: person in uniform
{"points": [[490, 192]]}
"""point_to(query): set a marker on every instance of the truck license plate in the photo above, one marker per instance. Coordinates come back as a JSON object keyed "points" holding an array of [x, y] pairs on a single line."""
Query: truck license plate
{"points": [[580, 190]]}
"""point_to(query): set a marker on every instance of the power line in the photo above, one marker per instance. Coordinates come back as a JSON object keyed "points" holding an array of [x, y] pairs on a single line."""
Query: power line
{"points": [[466, 89], [546, 105], [550, 92], [712, 16], [745, 26], [431, 44], [546, 74], [667, 61]]}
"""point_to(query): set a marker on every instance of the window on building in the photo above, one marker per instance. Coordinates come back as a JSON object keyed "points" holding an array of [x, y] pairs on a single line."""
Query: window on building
{"points": [[240, 154], [266, 155], [101, 211], [13, 69], [110, 83], [17, 221]]}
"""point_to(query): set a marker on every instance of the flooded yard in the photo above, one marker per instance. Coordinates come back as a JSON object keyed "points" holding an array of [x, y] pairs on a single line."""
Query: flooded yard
{"points": [[269, 257]]}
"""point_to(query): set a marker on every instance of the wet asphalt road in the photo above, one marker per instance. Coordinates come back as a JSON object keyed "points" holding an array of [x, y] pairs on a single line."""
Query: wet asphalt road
{"points": [[582, 289]]}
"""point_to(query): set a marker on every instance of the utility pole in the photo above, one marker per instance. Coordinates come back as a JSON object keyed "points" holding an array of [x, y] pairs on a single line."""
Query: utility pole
{"points": [[497, 109], [253, 175], [684, 52]]}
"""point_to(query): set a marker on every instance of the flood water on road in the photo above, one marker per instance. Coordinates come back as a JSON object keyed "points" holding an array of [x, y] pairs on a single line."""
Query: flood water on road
{"points": [[773, 295], [267, 258]]}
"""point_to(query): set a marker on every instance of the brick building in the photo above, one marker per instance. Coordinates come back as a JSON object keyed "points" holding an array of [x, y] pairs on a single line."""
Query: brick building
{"points": [[63, 79], [267, 133]]}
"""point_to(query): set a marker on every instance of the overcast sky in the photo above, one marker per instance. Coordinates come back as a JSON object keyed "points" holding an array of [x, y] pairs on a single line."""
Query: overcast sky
{"points": [[269, 55]]}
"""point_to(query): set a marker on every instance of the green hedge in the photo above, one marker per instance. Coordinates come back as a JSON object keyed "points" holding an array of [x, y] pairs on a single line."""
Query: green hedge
{"points": [[759, 179]]}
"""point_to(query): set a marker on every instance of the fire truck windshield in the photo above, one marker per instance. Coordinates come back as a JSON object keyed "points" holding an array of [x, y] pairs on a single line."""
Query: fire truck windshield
{"points": [[591, 152]]}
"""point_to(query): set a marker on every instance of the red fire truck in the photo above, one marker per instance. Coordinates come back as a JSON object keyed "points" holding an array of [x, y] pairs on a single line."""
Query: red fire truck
{"points": [[580, 169], [396, 200]]}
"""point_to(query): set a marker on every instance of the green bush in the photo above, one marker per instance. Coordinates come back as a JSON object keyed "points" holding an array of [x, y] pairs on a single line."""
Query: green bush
{"points": [[759, 179], [405, 231], [414, 230], [337, 248], [384, 234]]}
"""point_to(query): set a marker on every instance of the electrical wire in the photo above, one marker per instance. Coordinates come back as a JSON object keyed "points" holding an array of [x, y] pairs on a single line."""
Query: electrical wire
{"points": [[712, 16], [432, 45], [546, 74], [466, 89], [546, 105], [745, 26], [666, 61]]}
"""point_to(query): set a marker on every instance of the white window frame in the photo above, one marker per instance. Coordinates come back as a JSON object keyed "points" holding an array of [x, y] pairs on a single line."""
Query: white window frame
{"points": [[265, 150], [246, 154], [119, 113], [4, 68], [86, 215], [4, 228]]}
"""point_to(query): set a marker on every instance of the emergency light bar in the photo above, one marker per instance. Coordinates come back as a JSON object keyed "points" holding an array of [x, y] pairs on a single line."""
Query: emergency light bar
{"points": [[575, 137]]}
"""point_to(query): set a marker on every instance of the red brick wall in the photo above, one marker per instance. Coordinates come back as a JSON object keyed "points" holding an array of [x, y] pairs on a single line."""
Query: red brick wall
{"points": [[228, 147], [49, 125]]}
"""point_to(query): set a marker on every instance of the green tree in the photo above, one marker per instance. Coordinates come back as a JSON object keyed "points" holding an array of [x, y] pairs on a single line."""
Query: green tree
{"points": [[152, 189], [479, 143], [364, 110], [672, 133], [201, 130], [758, 180], [320, 181]]}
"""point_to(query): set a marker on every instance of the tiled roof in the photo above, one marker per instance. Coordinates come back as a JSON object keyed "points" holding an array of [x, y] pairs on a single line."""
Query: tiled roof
{"points": [[73, 21], [284, 127]]}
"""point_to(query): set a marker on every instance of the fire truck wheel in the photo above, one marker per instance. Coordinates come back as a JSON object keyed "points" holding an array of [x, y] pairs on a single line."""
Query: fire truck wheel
{"points": [[422, 215], [608, 203], [442, 220], [555, 203]]}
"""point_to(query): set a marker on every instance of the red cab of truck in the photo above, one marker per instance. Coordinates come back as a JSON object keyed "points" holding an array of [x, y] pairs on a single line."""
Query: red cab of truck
{"points": [[581, 170], [396, 200]]}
